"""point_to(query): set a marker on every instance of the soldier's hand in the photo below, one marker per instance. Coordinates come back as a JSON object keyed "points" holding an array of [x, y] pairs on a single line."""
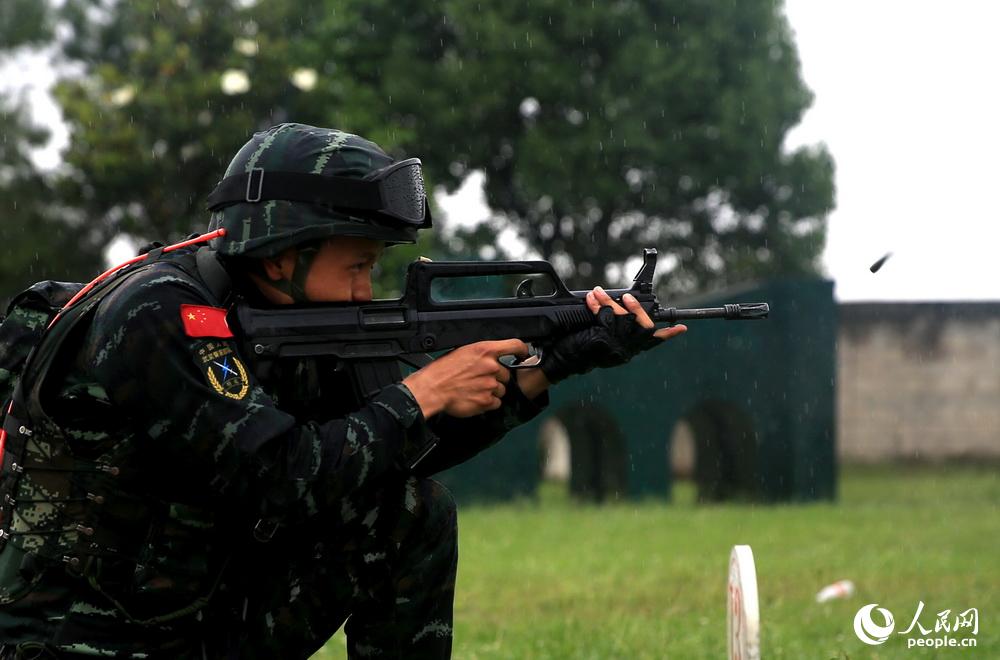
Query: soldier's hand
{"points": [[618, 336], [467, 381]]}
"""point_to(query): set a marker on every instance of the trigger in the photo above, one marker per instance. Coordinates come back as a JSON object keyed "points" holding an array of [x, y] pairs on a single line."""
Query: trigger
{"points": [[530, 361]]}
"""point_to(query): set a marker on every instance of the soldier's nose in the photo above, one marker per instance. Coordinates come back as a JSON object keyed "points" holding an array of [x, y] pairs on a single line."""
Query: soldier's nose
{"points": [[362, 292]]}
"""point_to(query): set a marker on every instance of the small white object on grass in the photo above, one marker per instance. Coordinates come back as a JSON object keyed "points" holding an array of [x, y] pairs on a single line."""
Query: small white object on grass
{"points": [[839, 589], [743, 612]]}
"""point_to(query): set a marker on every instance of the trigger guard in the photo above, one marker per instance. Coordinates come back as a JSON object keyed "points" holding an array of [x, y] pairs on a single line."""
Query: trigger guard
{"points": [[532, 361]]}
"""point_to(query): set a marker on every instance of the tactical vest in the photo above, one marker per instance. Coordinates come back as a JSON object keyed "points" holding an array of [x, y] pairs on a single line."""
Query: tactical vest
{"points": [[62, 511]]}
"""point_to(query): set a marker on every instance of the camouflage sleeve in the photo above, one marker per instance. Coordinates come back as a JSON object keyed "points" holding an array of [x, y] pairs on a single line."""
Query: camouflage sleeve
{"points": [[204, 415], [462, 438]]}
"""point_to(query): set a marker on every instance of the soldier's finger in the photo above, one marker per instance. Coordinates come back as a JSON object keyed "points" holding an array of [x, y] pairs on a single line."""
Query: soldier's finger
{"points": [[506, 347], [672, 331], [604, 299], [634, 306]]}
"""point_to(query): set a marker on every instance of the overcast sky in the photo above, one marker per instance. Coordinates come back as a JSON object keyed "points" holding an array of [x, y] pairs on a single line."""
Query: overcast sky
{"points": [[907, 102]]}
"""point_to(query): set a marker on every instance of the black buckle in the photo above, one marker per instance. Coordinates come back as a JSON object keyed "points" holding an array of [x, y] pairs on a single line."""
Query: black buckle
{"points": [[260, 185], [424, 452], [264, 530]]}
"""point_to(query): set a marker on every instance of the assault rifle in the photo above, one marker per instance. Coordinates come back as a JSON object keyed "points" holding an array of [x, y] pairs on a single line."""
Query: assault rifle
{"points": [[372, 338]]}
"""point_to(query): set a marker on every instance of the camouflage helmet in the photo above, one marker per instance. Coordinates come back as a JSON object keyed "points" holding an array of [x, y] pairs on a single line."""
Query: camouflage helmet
{"points": [[294, 184]]}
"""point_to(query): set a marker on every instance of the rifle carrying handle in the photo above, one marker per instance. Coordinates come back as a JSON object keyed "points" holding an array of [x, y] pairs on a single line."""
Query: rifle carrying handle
{"points": [[421, 273]]}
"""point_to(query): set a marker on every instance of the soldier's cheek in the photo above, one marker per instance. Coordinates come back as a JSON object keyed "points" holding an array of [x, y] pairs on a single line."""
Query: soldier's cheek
{"points": [[329, 288]]}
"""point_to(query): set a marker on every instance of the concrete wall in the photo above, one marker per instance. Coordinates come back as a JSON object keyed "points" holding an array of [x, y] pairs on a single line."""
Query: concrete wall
{"points": [[918, 381]]}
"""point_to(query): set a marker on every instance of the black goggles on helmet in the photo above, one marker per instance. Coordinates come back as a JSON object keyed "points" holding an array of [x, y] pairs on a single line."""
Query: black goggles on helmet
{"points": [[394, 193]]}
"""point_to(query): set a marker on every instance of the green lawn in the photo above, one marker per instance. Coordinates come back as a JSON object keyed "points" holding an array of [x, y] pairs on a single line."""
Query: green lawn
{"points": [[558, 580]]}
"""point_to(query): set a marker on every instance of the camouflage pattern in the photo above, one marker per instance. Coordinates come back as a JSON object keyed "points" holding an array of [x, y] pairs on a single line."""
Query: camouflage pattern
{"points": [[26, 318], [391, 570], [266, 228], [201, 450]]}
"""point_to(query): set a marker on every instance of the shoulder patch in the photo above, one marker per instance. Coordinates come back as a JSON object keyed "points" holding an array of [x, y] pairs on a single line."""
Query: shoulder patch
{"points": [[224, 371], [204, 321]]}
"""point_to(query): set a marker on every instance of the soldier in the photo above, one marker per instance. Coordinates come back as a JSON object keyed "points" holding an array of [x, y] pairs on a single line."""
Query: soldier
{"points": [[172, 503]]}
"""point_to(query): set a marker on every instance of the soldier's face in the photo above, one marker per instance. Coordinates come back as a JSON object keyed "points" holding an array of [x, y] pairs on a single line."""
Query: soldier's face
{"points": [[342, 270]]}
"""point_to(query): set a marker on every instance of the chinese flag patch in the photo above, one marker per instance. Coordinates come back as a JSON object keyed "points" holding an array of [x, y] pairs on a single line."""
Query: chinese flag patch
{"points": [[200, 321]]}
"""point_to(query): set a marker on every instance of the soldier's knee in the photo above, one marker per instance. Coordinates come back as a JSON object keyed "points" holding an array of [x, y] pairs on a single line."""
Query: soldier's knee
{"points": [[442, 502], [434, 505]]}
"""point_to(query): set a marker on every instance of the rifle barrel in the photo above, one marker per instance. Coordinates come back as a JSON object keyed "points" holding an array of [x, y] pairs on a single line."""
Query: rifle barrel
{"points": [[730, 312]]}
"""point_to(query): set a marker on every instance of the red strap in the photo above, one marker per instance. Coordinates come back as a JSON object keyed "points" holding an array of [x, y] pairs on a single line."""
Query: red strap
{"points": [[203, 321], [3, 434], [111, 271]]}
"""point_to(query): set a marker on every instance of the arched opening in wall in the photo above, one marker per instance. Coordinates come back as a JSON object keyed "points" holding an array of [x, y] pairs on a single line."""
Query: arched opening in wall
{"points": [[714, 446], [582, 447], [681, 464], [553, 446]]}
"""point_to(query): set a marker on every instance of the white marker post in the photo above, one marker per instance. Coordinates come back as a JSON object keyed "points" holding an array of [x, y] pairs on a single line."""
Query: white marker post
{"points": [[743, 615]]}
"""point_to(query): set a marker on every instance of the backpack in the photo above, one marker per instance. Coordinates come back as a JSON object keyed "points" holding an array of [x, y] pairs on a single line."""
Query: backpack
{"points": [[21, 329], [24, 327], [25, 342]]}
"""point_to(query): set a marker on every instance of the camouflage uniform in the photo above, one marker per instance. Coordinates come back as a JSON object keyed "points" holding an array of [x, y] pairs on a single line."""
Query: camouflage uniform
{"points": [[142, 511]]}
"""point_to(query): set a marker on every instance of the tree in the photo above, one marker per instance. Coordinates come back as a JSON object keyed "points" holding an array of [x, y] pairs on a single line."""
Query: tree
{"points": [[170, 92], [601, 127], [40, 239], [24, 23]]}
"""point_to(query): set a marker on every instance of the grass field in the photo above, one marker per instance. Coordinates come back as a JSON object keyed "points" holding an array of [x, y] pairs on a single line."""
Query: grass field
{"points": [[554, 579]]}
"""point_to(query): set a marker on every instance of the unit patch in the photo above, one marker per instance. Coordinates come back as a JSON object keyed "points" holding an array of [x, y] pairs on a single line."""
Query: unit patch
{"points": [[223, 370]]}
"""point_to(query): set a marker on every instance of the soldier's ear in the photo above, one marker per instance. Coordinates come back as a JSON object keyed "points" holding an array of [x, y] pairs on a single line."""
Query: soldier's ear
{"points": [[281, 266]]}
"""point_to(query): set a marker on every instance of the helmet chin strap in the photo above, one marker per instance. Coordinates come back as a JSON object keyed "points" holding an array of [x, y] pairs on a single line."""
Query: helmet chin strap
{"points": [[295, 287]]}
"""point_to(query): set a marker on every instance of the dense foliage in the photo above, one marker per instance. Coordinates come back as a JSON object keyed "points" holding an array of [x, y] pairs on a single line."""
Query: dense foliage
{"points": [[600, 127], [40, 238]]}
